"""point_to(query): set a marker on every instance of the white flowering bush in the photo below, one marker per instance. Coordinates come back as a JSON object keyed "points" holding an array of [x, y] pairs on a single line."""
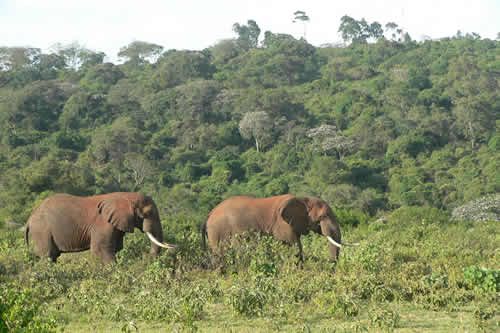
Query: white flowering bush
{"points": [[486, 208], [328, 139]]}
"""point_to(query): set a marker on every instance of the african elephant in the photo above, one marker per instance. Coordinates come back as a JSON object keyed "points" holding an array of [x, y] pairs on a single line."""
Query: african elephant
{"points": [[67, 223], [286, 217]]}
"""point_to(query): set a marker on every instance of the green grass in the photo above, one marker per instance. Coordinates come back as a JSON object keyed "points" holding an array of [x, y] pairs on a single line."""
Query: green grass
{"points": [[407, 275], [412, 320]]}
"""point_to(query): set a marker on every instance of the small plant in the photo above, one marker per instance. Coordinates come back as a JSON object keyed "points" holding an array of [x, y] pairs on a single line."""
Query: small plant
{"points": [[436, 280], [369, 258], [385, 319], [191, 308], [129, 327], [383, 294], [266, 269], [487, 280], [481, 314], [247, 301], [345, 306]]}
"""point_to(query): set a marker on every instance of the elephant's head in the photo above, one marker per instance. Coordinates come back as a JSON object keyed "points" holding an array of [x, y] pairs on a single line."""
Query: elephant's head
{"points": [[126, 211], [324, 222], [308, 213]]}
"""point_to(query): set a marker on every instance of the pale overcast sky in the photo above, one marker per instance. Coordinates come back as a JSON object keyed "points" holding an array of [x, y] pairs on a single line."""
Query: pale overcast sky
{"points": [[107, 25]]}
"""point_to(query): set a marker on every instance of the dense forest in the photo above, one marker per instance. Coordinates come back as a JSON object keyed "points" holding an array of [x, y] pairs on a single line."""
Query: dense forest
{"points": [[368, 127], [398, 136]]}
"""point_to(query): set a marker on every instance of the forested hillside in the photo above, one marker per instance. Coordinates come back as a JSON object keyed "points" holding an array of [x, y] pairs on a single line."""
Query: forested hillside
{"points": [[398, 136], [369, 127]]}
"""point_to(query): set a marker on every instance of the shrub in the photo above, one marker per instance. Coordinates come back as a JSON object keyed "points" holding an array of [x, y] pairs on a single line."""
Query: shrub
{"points": [[482, 209], [191, 307], [487, 280], [20, 311], [481, 314], [247, 301], [346, 306], [417, 214], [351, 217], [384, 318]]}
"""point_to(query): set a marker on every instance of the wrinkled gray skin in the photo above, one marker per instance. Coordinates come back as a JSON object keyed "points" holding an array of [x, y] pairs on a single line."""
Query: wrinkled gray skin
{"points": [[66, 223], [286, 217]]}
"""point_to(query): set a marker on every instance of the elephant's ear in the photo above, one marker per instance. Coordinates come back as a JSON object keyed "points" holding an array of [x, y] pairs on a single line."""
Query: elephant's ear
{"points": [[119, 212], [294, 212]]}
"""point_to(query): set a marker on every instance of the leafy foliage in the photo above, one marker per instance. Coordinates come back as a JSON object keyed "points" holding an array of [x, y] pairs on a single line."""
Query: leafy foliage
{"points": [[414, 260], [20, 312], [482, 278], [378, 126]]}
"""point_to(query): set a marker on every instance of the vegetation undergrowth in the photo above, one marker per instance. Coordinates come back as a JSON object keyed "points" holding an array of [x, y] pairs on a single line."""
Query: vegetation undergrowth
{"points": [[405, 263], [400, 137]]}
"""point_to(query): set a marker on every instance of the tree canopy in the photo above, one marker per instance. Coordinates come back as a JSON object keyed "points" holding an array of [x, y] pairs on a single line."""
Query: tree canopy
{"points": [[372, 126]]}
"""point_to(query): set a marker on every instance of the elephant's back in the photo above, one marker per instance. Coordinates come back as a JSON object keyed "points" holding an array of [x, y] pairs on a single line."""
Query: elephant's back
{"points": [[56, 205], [232, 205], [239, 204]]}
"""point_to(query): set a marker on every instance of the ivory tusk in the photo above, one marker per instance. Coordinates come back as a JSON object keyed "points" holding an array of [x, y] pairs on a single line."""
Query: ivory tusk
{"points": [[155, 241], [330, 239], [351, 244]]}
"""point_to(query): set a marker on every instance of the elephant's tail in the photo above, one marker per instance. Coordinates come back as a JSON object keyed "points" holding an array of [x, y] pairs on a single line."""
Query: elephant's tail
{"points": [[26, 234], [203, 231]]}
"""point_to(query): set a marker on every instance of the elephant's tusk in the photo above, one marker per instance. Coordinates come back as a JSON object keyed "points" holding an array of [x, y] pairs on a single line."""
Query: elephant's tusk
{"points": [[155, 241], [350, 244], [330, 239]]}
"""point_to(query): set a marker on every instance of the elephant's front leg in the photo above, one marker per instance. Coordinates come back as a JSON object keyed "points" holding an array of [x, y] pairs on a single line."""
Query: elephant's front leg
{"points": [[300, 254], [284, 232], [102, 243], [118, 240]]}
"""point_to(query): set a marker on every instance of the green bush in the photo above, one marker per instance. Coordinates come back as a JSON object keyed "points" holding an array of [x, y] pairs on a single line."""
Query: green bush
{"points": [[351, 217], [22, 311], [247, 301], [345, 306], [482, 313], [384, 318], [417, 214], [191, 307], [487, 280]]}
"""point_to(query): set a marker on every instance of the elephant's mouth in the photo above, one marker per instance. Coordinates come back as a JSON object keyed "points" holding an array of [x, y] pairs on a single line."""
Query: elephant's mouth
{"points": [[316, 227], [139, 224]]}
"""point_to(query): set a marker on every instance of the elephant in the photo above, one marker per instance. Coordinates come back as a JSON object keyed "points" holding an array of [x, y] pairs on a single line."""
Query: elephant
{"points": [[67, 223], [286, 217]]}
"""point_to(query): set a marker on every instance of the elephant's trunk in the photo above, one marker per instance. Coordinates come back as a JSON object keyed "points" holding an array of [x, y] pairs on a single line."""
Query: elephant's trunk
{"points": [[152, 227], [153, 230], [331, 230]]}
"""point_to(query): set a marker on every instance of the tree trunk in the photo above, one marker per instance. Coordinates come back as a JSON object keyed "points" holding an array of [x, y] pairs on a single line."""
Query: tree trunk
{"points": [[471, 131]]}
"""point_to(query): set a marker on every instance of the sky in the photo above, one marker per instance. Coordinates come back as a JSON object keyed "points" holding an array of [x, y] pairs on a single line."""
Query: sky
{"points": [[108, 25]]}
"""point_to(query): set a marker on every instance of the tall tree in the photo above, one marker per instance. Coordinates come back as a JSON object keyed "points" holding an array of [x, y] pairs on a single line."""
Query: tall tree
{"points": [[139, 52], [76, 55], [300, 16], [248, 35], [14, 58], [326, 139], [359, 31], [256, 125]]}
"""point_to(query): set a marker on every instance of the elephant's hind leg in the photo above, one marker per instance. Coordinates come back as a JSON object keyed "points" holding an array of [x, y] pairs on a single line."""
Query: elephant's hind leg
{"points": [[46, 247]]}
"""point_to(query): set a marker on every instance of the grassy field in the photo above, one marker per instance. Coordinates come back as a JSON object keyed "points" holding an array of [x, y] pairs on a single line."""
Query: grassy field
{"points": [[414, 272]]}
